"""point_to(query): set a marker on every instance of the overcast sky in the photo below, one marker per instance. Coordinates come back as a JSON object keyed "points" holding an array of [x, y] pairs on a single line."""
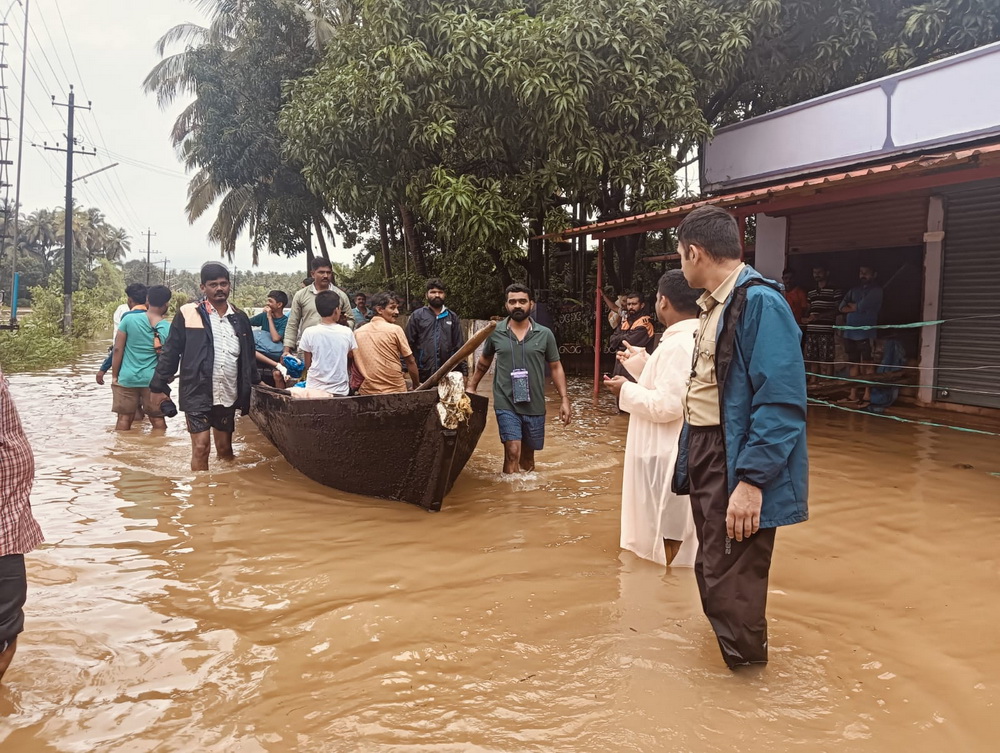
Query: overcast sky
{"points": [[112, 42]]}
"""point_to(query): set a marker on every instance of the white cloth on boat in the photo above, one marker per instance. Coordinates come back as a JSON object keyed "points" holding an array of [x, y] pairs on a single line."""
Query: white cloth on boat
{"points": [[454, 405], [650, 511], [304, 393]]}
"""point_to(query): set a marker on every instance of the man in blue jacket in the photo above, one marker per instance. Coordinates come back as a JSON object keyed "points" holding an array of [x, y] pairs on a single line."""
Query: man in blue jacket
{"points": [[743, 449], [435, 333]]}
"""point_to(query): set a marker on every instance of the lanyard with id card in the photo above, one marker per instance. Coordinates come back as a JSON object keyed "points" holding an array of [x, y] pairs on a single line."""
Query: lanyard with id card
{"points": [[519, 376]]}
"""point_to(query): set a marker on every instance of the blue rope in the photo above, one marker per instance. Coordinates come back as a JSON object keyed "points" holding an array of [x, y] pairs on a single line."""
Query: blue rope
{"points": [[916, 325], [902, 420]]}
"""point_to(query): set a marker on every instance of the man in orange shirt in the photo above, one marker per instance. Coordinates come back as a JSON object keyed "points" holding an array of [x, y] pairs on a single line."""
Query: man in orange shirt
{"points": [[635, 328], [381, 345], [796, 296]]}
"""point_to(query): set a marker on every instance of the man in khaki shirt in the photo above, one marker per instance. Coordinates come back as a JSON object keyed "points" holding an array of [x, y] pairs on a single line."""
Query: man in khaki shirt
{"points": [[302, 312], [702, 402], [743, 453]]}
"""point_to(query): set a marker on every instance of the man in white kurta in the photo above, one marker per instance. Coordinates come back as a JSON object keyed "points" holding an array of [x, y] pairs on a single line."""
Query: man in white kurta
{"points": [[652, 515]]}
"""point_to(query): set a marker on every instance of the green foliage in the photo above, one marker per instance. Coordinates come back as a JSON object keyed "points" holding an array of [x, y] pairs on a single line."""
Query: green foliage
{"points": [[453, 130], [250, 288], [40, 342], [790, 50], [42, 240]]}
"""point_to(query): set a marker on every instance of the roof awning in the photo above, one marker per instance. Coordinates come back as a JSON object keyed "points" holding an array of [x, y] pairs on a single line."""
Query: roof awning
{"points": [[915, 174]]}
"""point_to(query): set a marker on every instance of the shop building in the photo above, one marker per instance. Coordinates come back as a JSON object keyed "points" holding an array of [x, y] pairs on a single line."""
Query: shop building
{"points": [[902, 173]]}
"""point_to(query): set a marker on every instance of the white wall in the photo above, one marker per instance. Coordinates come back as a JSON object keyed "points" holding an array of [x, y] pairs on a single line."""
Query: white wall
{"points": [[948, 102]]}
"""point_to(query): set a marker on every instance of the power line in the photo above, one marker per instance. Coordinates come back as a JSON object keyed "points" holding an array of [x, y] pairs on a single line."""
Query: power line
{"points": [[115, 179], [111, 198], [143, 165], [54, 47]]}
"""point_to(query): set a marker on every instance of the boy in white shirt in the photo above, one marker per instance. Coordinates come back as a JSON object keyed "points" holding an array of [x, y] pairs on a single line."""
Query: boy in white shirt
{"points": [[328, 348]]}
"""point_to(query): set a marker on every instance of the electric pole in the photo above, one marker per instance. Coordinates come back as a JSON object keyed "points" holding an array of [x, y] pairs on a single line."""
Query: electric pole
{"points": [[20, 155], [71, 108], [165, 271], [149, 251]]}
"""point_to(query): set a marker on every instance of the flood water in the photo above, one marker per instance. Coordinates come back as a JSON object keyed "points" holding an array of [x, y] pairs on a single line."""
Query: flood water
{"points": [[249, 609]]}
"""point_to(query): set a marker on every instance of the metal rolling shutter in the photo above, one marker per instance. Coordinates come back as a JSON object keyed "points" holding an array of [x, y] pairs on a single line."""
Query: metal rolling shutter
{"points": [[875, 224], [971, 287]]}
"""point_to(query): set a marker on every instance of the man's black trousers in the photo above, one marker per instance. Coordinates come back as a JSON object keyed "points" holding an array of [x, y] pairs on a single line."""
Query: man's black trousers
{"points": [[731, 575]]}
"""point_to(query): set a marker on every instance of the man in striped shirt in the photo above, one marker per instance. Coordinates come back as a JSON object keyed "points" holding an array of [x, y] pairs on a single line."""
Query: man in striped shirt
{"points": [[824, 304], [19, 532]]}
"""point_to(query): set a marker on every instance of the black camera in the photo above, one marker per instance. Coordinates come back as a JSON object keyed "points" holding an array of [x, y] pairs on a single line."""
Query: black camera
{"points": [[168, 409]]}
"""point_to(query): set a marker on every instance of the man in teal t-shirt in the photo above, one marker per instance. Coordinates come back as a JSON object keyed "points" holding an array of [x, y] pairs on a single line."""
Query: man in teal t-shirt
{"points": [[137, 346]]}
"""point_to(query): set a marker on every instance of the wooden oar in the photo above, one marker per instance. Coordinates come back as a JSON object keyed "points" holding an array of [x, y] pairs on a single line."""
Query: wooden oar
{"points": [[470, 347]]}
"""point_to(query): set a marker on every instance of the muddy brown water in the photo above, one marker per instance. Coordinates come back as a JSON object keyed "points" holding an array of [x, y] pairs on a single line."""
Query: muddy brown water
{"points": [[248, 609]]}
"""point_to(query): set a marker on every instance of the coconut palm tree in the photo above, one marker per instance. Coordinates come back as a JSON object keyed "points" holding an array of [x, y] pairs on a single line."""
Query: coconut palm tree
{"points": [[117, 245], [267, 203]]}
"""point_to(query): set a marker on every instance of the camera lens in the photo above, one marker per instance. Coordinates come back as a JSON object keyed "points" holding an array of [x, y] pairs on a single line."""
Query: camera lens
{"points": [[168, 409]]}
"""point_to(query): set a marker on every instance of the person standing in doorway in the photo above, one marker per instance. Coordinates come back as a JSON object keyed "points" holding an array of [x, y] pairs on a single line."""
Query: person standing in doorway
{"points": [[743, 452], [657, 525], [796, 296], [213, 344], [435, 333], [303, 313], [820, 344], [19, 532], [862, 305], [138, 344], [522, 349]]}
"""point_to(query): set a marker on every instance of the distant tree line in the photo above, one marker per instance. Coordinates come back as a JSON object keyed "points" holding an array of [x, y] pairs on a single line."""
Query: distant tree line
{"points": [[41, 242]]}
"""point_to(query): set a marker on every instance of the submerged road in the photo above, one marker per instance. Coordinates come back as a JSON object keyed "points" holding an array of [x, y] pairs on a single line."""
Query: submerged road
{"points": [[249, 609]]}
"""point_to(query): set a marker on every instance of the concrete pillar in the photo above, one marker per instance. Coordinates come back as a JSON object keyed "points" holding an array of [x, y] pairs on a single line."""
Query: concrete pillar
{"points": [[772, 241], [933, 264]]}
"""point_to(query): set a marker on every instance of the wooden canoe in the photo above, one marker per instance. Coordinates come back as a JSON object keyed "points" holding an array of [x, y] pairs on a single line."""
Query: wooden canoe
{"points": [[388, 446]]}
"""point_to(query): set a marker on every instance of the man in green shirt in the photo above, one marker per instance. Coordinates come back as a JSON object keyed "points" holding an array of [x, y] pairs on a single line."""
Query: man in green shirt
{"points": [[522, 348], [133, 360]]}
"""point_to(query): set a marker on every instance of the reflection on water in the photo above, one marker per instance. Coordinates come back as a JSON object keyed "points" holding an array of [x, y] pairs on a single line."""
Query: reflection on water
{"points": [[248, 609]]}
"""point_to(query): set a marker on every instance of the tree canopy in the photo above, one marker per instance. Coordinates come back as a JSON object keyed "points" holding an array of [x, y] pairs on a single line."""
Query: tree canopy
{"points": [[453, 130]]}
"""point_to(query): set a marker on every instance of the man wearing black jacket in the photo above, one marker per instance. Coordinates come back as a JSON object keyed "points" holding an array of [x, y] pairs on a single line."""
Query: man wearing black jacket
{"points": [[435, 333], [212, 342]]}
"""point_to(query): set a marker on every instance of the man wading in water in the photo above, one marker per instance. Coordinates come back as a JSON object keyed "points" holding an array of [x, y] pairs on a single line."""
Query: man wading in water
{"points": [[742, 453], [522, 347], [214, 346], [19, 533]]}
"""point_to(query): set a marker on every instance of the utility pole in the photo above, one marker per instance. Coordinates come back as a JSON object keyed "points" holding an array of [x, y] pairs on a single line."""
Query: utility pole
{"points": [[71, 108], [165, 271], [20, 154], [149, 251]]}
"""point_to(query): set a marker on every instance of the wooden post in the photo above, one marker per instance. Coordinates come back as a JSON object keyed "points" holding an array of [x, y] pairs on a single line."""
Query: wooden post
{"points": [[597, 320]]}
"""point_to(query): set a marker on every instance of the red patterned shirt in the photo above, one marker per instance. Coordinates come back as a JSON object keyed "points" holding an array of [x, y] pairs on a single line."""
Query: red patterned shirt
{"points": [[19, 531]]}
